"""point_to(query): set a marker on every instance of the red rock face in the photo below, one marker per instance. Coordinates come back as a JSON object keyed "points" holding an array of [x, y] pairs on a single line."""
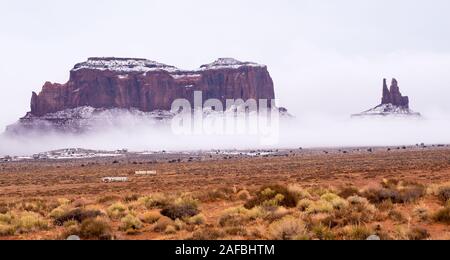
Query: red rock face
{"points": [[393, 95], [150, 86]]}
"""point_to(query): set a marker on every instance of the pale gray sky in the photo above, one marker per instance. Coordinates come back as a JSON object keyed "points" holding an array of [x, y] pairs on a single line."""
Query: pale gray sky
{"points": [[325, 56]]}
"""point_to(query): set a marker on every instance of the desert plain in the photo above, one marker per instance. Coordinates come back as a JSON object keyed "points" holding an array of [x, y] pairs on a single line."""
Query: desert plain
{"points": [[388, 193]]}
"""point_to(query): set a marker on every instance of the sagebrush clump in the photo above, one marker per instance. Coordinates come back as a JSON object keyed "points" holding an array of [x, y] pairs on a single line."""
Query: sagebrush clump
{"points": [[181, 208], [96, 228], [288, 228], [117, 211], [274, 196]]}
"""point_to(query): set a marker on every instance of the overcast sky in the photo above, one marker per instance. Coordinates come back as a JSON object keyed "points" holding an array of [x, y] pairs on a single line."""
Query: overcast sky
{"points": [[325, 56]]}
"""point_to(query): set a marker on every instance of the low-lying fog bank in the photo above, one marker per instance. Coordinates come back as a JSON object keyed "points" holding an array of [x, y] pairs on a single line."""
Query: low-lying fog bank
{"points": [[307, 132]]}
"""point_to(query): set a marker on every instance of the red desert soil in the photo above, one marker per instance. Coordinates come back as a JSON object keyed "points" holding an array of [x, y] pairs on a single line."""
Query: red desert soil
{"points": [[199, 172], [307, 168]]}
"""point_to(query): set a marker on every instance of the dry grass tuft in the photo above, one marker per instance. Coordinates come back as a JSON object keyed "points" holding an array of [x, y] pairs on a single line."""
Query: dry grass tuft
{"points": [[357, 232], [130, 224], [418, 233], [396, 192], [117, 211], [288, 228], [244, 195], [162, 224], [442, 215], [78, 215], [150, 217], [182, 208], [208, 233], [154, 201], [240, 216], [273, 196], [199, 219], [96, 228]]}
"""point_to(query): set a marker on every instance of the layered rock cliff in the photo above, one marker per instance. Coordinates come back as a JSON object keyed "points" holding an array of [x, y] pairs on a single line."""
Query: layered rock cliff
{"points": [[149, 86], [102, 89]]}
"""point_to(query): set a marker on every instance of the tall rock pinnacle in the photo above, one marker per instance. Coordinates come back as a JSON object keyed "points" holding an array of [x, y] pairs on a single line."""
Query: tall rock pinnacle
{"points": [[392, 103], [393, 95]]}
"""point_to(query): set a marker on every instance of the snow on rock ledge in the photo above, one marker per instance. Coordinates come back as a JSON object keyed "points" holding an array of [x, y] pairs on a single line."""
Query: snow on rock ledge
{"points": [[123, 65], [127, 65]]}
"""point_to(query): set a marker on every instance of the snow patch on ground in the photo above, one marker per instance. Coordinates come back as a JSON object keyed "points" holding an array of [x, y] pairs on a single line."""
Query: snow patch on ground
{"points": [[388, 110]]}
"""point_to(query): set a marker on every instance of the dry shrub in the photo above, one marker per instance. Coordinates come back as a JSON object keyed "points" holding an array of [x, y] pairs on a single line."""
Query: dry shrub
{"points": [[39, 206], [395, 191], [304, 204], [318, 191], [288, 228], [130, 223], [4, 208], [323, 232], [244, 195], [442, 216], [275, 195], [80, 202], [276, 214], [216, 195], [170, 230], [6, 218], [179, 224], [348, 191], [208, 234], [357, 232], [59, 212], [320, 206], [397, 216], [131, 197], [422, 213], [70, 230], [29, 222], [236, 231], [418, 233], [108, 199], [359, 211], [443, 193], [150, 217], [96, 228], [240, 216], [71, 223], [117, 211], [181, 208], [336, 201], [299, 192], [7, 230], [199, 219], [78, 215], [154, 201], [63, 201], [386, 205], [162, 224]]}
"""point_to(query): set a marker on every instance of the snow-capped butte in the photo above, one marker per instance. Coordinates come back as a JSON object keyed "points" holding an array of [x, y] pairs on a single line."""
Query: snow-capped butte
{"points": [[123, 65], [224, 63], [102, 85], [128, 65]]}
